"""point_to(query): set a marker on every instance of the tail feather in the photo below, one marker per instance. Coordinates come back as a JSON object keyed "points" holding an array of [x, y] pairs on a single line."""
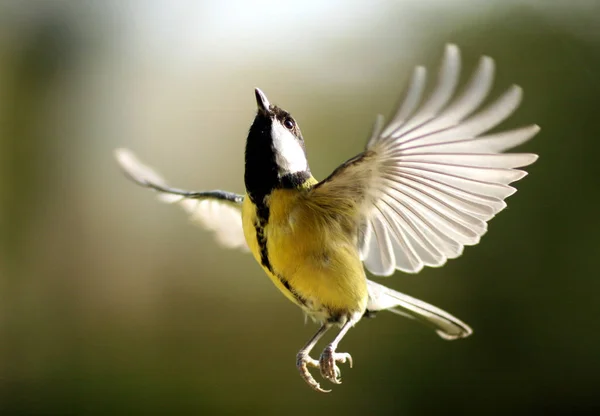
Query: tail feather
{"points": [[446, 325]]}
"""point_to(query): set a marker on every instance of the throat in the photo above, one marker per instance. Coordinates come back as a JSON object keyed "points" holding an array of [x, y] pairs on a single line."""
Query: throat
{"points": [[261, 181], [295, 180]]}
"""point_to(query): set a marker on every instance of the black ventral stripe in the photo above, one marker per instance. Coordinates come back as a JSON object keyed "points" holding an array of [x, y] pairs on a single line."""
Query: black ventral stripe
{"points": [[261, 238], [262, 219], [299, 298]]}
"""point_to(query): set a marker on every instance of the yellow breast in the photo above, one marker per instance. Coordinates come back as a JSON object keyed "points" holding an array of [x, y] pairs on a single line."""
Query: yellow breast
{"points": [[310, 257]]}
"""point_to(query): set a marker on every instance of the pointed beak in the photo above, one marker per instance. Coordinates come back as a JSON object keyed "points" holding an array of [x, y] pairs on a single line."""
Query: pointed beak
{"points": [[262, 102]]}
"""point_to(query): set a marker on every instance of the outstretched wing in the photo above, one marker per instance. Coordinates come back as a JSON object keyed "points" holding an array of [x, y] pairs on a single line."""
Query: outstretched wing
{"points": [[429, 180], [217, 211]]}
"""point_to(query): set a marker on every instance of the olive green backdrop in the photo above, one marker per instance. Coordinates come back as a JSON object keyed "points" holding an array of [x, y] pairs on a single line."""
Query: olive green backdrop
{"points": [[111, 303]]}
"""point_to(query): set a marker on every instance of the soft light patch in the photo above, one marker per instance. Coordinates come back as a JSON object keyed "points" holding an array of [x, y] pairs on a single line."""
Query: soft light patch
{"points": [[289, 154]]}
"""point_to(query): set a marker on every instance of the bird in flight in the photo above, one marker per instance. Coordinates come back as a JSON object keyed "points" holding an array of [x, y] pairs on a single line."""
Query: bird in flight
{"points": [[424, 187]]}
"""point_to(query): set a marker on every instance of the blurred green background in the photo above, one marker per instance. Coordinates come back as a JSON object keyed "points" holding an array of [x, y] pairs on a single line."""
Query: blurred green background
{"points": [[111, 303]]}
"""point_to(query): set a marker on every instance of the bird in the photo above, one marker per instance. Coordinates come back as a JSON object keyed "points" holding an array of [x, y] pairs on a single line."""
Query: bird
{"points": [[423, 188]]}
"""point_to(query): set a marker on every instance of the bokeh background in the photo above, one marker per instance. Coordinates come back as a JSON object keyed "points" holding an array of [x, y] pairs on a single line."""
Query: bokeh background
{"points": [[111, 303]]}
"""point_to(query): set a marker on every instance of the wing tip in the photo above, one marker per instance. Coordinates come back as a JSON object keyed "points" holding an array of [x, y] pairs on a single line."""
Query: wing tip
{"points": [[487, 68], [517, 90], [528, 133], [451, 49], [414, 270], [451, 61], [129, 164], [486, 60], [124, 157], [520, 175], [531, 158], [465, 332]]}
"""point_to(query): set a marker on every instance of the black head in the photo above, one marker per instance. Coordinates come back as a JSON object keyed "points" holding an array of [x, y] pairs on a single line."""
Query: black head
{"points": [[275, 152]]}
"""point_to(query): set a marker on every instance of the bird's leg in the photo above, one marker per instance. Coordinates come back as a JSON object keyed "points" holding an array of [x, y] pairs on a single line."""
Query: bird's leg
{"points": [[329, 357], [303, 360]]}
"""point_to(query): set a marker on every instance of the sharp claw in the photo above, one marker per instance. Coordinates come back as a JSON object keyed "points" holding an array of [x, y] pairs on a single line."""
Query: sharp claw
{"points": [[342, 357], [302, 363], [322, 390], [328, 364], [332, 374]]}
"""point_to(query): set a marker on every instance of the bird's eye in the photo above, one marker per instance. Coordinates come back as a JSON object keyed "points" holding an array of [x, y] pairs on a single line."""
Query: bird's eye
{"points": [[288, 123]]}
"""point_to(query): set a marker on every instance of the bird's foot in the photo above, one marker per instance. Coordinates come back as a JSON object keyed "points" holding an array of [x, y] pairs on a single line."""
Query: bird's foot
{"points": [[329, 369], [302, 363]]}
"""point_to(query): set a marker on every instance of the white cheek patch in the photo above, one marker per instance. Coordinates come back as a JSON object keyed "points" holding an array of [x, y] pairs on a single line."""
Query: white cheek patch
{"points": [[289, 155]]}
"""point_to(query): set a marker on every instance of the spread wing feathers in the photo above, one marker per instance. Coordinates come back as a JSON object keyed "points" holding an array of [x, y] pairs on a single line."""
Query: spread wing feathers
{"points": [[446, 325], [429, 180], [216, 211]]}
